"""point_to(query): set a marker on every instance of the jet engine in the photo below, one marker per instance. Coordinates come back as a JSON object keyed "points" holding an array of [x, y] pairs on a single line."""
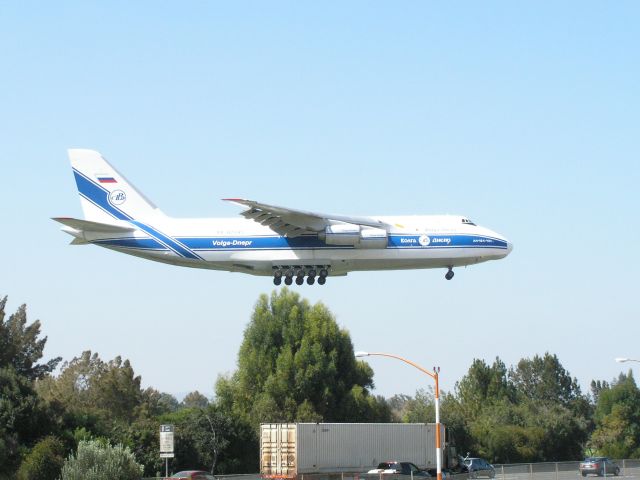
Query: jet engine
{"points": [[349, 234]]}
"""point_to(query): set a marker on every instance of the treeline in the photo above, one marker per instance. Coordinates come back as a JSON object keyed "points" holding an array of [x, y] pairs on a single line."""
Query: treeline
{"points": [[295, 364]]}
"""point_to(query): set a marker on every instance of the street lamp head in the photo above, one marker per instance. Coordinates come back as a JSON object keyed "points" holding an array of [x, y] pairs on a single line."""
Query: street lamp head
{"points": [[361, 354], [621, 359]]}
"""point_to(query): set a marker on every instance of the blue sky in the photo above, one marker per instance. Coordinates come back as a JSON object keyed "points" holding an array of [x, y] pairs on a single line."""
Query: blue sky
{"points": [[522, 116]]}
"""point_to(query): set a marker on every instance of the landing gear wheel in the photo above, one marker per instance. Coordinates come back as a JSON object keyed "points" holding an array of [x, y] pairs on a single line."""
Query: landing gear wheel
{"points": [[311, 280], [277, 274], [322, 280], [288, 276], [312, 273], [277, 280], [617, 471], [449, 274], [299, 280], [324, 272]]}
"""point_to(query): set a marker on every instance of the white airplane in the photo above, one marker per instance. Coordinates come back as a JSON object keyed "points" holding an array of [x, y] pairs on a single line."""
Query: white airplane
{"points": [[284, 243]]}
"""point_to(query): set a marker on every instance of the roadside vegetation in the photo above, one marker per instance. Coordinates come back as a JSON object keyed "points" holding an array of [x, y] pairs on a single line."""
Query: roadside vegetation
{"points": [[295, 364]]}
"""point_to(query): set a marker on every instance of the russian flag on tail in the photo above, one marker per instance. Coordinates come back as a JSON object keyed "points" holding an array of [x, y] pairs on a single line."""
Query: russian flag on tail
{"points": [[106, 179]]}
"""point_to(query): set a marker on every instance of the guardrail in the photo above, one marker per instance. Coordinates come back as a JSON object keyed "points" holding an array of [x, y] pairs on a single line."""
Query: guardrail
{"points": [[629, 470]]}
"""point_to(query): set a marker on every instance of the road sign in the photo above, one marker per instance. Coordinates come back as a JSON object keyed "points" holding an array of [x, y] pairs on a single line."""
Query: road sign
{"points": [[166, 441]]}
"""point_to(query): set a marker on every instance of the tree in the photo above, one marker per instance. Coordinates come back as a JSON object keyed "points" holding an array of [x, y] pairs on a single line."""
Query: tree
{"points": [[22, 419], [95, 394], [168, 403], [95, 460], [210, 439], [421, 408], [484, 384], [195, 400], [533, 412], [596, 387], [44, 461], [296, 364], [545, 379], [20, 347], [398, 406], [142, 438], [617, 417], [209, 429], [155, 403]]}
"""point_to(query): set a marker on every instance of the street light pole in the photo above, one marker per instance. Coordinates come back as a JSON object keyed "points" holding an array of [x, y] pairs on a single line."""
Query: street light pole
{"points": [[434, 375], [622, 360]]}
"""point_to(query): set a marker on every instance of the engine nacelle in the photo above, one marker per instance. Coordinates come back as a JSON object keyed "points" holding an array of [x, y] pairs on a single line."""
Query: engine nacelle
{"points": [[348, 234]]}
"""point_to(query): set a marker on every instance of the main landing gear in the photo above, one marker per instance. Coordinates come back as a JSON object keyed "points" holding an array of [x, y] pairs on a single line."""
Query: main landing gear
{"points": [[311, 272], [449, 274]]}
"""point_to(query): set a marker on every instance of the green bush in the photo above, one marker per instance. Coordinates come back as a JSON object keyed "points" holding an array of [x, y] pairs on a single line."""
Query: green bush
{"points": [[96, 460], [44, 461]]}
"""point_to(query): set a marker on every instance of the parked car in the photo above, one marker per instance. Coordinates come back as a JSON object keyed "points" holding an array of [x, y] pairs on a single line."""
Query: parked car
{"points": [[479, 467], [399, 468], [193, 475], [599, 466]]}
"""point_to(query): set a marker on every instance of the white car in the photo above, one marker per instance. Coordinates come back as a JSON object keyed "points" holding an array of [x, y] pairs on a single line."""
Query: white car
{"points": [[399, 468]]}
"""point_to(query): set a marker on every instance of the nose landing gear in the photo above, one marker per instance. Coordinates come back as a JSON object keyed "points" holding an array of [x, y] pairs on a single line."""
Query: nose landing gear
{"points": [[449, 274]]}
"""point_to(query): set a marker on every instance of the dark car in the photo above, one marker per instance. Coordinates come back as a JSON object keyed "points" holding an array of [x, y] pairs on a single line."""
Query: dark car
{"points": [[399, 468], [600, 466], [193, 475], [479, 467]]}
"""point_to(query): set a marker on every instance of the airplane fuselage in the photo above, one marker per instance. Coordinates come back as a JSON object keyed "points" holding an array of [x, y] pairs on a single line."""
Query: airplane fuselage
{"points": [[245, 246]]}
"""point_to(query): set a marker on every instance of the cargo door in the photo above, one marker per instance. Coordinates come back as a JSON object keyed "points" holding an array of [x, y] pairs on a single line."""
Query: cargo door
{"points": [[278, 449]]}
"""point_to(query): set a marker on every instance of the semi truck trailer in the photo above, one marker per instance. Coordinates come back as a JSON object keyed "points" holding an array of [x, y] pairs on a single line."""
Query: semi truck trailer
{"points": [[288, 450]]}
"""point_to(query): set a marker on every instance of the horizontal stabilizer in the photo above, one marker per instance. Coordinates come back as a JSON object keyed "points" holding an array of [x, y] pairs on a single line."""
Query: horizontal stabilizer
{"points": [[88, 226], [78, 241]]}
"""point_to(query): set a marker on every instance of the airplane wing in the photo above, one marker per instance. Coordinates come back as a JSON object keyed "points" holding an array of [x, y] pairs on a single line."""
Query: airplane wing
{"points": [[293, 223]]}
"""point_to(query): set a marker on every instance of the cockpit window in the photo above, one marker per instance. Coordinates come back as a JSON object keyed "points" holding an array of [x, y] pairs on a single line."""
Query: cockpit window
{"points": [[466, 221]]}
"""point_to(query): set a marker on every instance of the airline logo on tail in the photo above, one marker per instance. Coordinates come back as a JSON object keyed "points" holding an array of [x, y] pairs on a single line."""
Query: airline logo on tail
{"points": [[117, 197]]}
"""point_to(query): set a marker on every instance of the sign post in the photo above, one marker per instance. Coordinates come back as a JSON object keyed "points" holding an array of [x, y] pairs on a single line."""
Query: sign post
{"points": [[166, 445]]}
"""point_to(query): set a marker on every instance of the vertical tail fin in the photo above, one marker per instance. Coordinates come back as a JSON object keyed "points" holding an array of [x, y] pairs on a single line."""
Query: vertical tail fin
{"points": [[105, 194]]}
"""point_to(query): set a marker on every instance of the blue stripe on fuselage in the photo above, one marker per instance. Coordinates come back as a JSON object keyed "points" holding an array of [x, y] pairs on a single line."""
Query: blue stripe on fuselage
{"points": [[138, 243], [258, 242], [395, 241]]}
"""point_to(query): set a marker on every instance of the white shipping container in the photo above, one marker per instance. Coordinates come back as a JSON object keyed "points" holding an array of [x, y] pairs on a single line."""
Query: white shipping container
{"points": [[289, 449]]}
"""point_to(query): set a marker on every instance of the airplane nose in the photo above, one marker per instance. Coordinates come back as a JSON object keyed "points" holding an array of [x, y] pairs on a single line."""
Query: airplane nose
{"points": [[509, 247]]}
